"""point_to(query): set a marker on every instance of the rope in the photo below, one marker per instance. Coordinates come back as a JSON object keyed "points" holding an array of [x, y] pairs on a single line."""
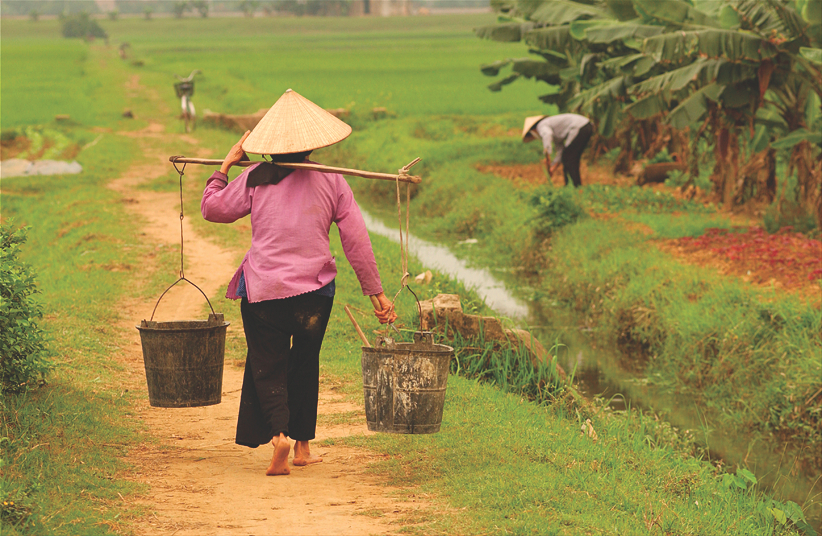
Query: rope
{"points": [[403, 247], [182, 216], [403, 173]]}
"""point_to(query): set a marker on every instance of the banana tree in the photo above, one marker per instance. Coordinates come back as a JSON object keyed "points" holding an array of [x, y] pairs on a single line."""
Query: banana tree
{"points": [[706, 67]]}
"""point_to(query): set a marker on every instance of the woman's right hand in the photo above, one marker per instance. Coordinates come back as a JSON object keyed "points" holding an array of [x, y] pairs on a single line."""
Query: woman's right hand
{"points": [[235, 154]]}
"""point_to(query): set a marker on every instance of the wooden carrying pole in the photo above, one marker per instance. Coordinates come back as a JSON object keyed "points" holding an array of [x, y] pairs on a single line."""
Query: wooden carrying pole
{"points": [[402, 176]]}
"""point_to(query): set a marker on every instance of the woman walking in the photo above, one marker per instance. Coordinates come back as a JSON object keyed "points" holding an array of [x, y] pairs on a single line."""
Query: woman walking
{"points": [[286, 280]]}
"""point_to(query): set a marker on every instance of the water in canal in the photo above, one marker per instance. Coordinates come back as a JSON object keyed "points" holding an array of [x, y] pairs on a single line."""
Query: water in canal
{"points": [[601, 371]]}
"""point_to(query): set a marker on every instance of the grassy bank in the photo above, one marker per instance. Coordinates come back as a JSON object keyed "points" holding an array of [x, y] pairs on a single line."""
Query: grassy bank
{"points": [[752, 354], [62, 445]]}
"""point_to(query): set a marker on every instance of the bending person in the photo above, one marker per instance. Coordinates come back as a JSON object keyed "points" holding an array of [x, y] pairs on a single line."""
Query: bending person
{"points": [[565, 136], [286, 280]]}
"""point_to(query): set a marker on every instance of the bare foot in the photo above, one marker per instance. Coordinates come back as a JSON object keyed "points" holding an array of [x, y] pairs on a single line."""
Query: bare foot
{"points": [[303, 456], [279, 462]]}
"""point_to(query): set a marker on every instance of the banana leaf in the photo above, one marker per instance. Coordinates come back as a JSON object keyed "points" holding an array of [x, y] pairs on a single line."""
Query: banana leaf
{"points": [[735, 46], [797, 136], [621, 32], [813, 55], [812, 11], [756, 14], [624, 64], [727, 44], [728, 73], [558, 59], [557, 38], [702, 69], [647, 107], [813, 114], [694, 107], [607, 122], [580, 27], [559, 12], [795, 25], [643, 66], [541, 70], [770, 118], [673, 12], [608, 91], [740, 95], [497, 86], [570, 74], [621, 9], [761, 139], [492, 69], [560, 99], [670, 47], [729, 18], [505, 33]]}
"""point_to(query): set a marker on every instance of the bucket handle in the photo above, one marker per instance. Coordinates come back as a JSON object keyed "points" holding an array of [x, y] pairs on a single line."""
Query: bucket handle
{"points": [[169, 288]]}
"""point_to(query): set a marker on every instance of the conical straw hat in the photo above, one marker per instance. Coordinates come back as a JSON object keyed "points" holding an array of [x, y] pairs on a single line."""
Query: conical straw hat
{"points": [[293, 125], [529, 124]]}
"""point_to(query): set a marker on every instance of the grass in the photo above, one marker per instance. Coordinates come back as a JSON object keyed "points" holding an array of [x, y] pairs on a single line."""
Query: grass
{"points": [[63, 444], [501, 463]]}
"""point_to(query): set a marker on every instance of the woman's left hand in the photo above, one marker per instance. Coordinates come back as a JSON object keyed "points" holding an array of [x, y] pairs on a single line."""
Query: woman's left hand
{"points": [[385, 314]]}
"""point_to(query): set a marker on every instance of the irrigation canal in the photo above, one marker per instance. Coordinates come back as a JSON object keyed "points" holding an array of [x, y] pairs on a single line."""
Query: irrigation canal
{"points": [[602, 372]]}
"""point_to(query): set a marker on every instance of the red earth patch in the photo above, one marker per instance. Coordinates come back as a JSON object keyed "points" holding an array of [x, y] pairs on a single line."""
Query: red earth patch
{"points": [[786, 259]]}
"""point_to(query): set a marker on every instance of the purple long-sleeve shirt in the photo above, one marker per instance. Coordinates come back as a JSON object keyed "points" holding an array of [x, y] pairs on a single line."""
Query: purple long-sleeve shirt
{"points": [[290, 222]]}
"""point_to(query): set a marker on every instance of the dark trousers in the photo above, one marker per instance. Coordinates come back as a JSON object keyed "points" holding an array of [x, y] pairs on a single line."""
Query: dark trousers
{"points": [[573, 153], [282, 368]]}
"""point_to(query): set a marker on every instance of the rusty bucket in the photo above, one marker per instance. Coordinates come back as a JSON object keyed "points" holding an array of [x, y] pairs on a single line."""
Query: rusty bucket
{"points": [[184, 358], [404, 384]]}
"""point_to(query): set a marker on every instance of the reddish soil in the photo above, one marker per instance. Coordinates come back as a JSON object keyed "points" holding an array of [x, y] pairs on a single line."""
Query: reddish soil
{"points": [[786, 260]]}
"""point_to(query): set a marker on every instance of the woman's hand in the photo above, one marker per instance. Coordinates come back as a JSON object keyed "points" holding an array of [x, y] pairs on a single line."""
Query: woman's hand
{"points": [[235, 155], [385, 314]]}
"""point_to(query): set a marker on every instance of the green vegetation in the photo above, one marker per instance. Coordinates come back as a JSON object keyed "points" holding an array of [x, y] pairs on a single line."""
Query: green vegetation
{"points": [[61, 444], [22, 344], [501, 463], [741, 75], [82, 26], [701, 334]]}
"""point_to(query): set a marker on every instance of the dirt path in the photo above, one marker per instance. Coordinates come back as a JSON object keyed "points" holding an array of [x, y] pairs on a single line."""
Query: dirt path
{"points": [[200, 482]]}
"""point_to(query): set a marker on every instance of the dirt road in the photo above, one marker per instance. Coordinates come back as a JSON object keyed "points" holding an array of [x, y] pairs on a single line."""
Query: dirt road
{"points": [[200, 482]]}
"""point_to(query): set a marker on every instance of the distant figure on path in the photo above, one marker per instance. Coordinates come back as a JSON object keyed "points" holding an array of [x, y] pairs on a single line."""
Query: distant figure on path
{"points": [[570, 133], [286, 280]]}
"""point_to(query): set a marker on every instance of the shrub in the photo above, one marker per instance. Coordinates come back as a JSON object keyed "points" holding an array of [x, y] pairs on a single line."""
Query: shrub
{"points": [[556, 207], [83, 26], [24, 356]]}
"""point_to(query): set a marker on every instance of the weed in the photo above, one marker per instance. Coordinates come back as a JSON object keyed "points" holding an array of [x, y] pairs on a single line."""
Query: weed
{"points": [[556, 208]]}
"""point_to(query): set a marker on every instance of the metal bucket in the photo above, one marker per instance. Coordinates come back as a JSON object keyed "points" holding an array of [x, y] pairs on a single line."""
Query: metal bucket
{"points": [[184, 358], [184, 361], [404, 384]]}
